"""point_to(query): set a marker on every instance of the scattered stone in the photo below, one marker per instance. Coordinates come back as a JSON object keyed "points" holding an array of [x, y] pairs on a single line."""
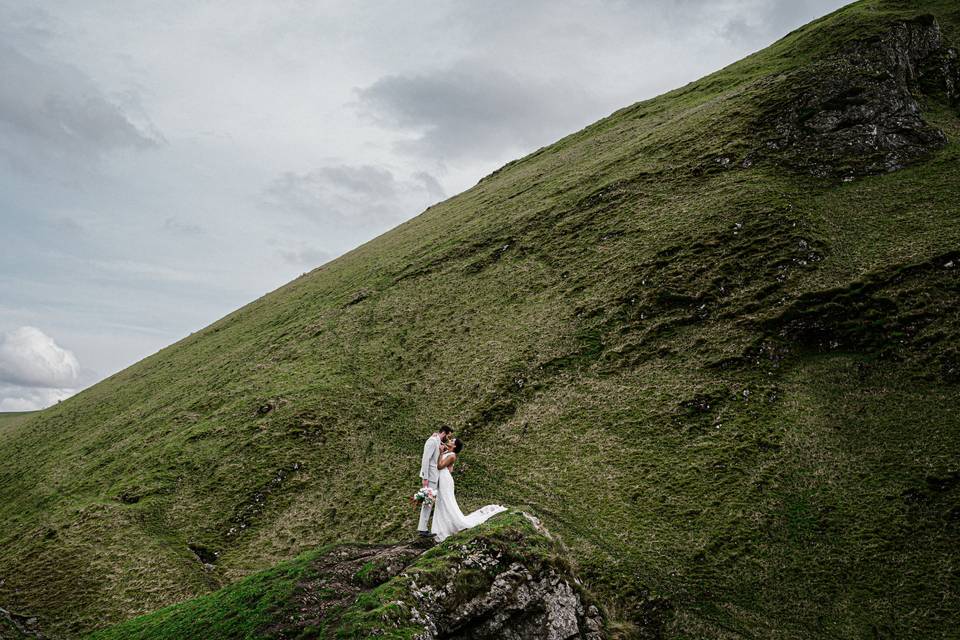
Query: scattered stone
{"points": [[357, 298]]}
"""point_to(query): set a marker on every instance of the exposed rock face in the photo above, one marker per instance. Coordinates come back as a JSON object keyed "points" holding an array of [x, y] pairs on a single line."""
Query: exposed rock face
{"points": [[507, 580], [475, 595], [518, 605], [858, 113]]}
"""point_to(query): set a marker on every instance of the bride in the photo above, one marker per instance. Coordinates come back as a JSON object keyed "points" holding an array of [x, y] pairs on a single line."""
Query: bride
{"points": [[447, 517]]}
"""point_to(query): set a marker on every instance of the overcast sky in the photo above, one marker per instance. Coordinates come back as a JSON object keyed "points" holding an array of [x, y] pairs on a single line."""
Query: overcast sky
{"points": [[163, 163]]}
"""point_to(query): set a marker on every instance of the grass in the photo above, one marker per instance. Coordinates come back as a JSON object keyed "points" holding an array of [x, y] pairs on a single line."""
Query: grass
{"points": [[241, 610], [8, 419], [736, 439]]}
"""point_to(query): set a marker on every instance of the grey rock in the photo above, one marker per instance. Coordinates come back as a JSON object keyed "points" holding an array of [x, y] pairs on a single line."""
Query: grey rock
{"points": [[857, 113], [521, 603]]}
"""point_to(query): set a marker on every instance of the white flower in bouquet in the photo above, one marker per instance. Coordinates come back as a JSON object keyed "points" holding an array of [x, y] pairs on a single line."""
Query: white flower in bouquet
{"points": [[426, 496]]}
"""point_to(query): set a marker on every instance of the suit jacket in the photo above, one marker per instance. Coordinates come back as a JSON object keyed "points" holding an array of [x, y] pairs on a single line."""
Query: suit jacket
{"points": [[428, 463]]}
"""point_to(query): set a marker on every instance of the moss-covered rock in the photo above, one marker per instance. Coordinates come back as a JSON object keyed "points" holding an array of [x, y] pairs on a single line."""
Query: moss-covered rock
{"points": [[18, 627], [508, 579]]}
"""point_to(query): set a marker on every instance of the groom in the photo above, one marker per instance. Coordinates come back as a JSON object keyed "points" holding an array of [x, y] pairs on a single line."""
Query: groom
{"points": [[429, 473]]}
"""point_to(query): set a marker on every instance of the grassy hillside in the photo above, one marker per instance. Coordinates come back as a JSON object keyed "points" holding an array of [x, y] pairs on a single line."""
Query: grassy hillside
{"points": [[710, 340], [10, 418]]}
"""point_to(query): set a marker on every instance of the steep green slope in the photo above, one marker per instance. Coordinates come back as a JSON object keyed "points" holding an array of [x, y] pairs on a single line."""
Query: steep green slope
{"points": [[712, 340]]}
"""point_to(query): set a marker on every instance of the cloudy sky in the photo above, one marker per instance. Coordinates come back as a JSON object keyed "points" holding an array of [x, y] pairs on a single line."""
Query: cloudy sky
{"points": [[163, 163]]}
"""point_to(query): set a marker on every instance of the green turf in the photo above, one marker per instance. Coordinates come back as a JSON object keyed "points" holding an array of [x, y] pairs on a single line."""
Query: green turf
{"points": [[718, 471], [9, 420], [8, 417], [241, 610]]}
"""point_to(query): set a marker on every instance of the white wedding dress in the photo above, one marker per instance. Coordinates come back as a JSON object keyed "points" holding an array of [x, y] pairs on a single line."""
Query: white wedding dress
{"points": [[447, 517]]}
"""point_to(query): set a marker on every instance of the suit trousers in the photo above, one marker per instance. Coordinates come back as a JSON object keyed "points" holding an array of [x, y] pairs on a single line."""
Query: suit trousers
{"points": [[426, 510]]}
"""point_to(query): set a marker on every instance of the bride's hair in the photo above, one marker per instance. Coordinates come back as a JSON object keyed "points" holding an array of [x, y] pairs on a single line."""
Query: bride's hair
{"points": [[458, 445]]}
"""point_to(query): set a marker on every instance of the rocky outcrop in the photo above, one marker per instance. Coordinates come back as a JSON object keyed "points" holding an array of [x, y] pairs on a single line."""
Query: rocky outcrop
{"points": [[859, 112], [518, 605], [14, 626], [507, 580], [511, 600]]}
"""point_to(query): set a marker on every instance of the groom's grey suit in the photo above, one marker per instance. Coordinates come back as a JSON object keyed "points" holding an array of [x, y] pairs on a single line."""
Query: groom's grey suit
{"points": [[430, 473]]}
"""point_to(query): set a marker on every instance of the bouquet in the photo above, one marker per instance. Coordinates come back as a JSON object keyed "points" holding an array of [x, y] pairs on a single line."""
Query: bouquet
{"points": [[426, 496]]}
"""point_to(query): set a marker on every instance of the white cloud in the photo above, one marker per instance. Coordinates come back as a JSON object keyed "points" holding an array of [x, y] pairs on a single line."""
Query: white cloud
{"points": [[31, 358], [14, 398]]}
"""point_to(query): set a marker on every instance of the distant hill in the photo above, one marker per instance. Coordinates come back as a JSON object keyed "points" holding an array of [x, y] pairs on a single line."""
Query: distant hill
{"points": [[712, 340]]}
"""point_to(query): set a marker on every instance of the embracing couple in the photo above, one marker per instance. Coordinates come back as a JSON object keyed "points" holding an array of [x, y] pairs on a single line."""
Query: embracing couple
{"points": [[439, 455]]}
